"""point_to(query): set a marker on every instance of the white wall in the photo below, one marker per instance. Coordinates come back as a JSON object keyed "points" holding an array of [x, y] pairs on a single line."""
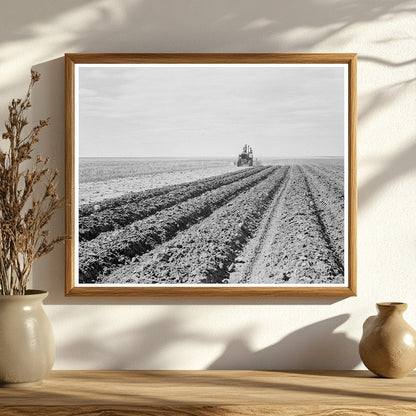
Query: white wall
{"points": [[199, 333]]}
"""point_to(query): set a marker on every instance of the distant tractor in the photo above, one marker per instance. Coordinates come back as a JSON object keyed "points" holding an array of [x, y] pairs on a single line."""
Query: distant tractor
{"points": [[246, 157]]}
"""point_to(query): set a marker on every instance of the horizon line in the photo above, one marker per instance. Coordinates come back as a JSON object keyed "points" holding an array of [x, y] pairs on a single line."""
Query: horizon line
{"points": [[210, 157]]}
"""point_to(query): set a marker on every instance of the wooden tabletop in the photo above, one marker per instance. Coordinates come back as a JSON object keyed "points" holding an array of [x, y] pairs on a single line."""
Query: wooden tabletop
{"points": [[203, 393]]}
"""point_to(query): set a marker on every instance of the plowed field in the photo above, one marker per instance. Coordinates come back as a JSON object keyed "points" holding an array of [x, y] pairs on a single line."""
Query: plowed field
{"points": [[260, 225]]}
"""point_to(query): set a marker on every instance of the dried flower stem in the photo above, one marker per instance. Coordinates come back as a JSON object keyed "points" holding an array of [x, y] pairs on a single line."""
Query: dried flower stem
{"points": [[23, 217]]}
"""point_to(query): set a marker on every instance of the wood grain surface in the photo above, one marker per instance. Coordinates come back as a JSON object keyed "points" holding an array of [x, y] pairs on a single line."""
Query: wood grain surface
{"points": [[202, 393]]}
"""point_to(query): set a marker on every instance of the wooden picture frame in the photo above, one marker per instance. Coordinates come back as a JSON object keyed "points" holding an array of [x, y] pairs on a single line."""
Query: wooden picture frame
{"points": [[166, 66]]}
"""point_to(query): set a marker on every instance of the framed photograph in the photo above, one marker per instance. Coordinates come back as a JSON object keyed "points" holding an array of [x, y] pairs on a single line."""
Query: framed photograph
{"points": [[211, 174]]}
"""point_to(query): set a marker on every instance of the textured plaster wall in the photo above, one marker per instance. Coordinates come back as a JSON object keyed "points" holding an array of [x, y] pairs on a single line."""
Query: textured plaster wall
{"points": [[198, 333]]}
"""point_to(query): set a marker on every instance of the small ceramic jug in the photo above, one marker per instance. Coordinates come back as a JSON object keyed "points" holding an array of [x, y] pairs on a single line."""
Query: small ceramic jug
{"points": [[388, 344]]}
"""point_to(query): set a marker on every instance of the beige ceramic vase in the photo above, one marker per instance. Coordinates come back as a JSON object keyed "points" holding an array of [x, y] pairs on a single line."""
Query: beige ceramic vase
{"points": [[388, 344], [27, 347]]}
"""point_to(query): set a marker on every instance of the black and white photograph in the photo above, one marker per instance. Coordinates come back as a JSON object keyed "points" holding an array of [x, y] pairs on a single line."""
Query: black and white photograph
{"points": [[211, 175]]}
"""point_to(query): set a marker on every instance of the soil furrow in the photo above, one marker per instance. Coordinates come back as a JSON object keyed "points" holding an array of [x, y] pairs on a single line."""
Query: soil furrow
{"points": [[332, 180], [110, 203], [87, 209], [251, 270], [330, 206], [295, 249], [206, 252], [110, 249], [119, 212], [323, 223]]}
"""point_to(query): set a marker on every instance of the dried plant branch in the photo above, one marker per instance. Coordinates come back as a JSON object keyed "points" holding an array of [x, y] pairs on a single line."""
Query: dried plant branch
{"points": [[24, 217]]}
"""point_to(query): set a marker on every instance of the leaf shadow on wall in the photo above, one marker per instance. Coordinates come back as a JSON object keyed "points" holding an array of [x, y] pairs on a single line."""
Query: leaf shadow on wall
{"points": [[243, 29], [315, 346], [397, 166], [402, 163], [142, 347], [189, 26]]}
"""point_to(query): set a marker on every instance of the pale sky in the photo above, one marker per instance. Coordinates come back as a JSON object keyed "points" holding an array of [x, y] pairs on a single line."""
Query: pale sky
{"points": [[211, 111]]}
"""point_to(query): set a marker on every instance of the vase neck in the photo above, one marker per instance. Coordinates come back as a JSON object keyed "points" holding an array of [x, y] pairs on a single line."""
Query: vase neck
{"points": [[31, 296], [391, 308]]}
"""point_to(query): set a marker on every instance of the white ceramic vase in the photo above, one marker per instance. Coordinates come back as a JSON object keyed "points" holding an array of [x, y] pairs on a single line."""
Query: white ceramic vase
{"points": [[27, 347]]}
